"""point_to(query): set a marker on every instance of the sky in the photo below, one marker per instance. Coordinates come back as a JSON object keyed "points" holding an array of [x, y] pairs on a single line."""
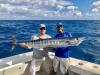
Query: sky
{"points": [[49, 9]]}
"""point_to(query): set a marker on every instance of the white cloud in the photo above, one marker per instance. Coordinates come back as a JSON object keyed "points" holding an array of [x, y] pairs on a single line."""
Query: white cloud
{"points": [[64, 3], [96, 3], [59, 7], [72, 8], [38, 8], [96, 6], [95, 10], [93, 15], [74, 11], [78, 13], [7, 8]]}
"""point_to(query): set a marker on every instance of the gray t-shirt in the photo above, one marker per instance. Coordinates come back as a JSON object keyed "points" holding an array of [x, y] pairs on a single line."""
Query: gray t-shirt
{"points": [[38, 53]]}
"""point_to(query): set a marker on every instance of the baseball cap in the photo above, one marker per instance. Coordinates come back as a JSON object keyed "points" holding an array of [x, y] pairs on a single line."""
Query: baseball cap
{"points": [[42, 25], [58, 25]]}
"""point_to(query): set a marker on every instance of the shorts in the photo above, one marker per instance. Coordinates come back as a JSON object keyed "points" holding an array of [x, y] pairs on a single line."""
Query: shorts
{"points": [[61, 64]]}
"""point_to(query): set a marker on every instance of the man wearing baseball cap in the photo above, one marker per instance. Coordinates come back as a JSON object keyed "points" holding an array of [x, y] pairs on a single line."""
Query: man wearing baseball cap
{"points": [[61, 63], [37, 54]]}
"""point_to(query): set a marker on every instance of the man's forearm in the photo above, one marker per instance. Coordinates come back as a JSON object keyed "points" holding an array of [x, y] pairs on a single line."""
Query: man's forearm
{"points": [[23, 45], [48, 48]]}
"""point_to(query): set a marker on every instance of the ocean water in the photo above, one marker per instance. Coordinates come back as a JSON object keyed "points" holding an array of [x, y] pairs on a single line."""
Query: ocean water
{"points": [[89, 50]]}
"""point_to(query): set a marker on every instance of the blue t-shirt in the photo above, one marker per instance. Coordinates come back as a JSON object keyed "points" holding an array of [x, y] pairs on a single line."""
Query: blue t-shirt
{"points": [[62, 52]]}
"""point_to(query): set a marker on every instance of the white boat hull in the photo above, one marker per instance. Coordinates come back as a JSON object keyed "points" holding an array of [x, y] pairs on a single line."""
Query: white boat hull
{"points": [[19, 65]]}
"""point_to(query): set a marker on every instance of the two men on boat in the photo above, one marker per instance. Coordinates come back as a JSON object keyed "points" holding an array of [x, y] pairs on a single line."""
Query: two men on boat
{"points": [[60, 63]]}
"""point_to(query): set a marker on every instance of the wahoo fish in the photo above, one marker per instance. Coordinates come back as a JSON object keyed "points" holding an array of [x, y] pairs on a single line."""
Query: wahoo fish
{"points": [[54, 42]]}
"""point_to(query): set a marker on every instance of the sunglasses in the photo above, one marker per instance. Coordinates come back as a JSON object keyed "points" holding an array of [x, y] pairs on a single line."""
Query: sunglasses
{"points": [[42, 28], [59, 26]]}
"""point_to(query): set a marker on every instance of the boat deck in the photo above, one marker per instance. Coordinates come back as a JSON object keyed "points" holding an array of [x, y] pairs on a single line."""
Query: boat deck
{"points": [[14, 66]]}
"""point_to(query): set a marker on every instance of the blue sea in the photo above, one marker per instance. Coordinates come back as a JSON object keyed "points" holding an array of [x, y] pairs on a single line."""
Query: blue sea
{"points": [[89, 50]]}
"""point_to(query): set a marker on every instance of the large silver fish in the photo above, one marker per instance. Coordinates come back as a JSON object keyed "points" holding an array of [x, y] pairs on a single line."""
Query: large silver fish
{"points": [[54, 42]]}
